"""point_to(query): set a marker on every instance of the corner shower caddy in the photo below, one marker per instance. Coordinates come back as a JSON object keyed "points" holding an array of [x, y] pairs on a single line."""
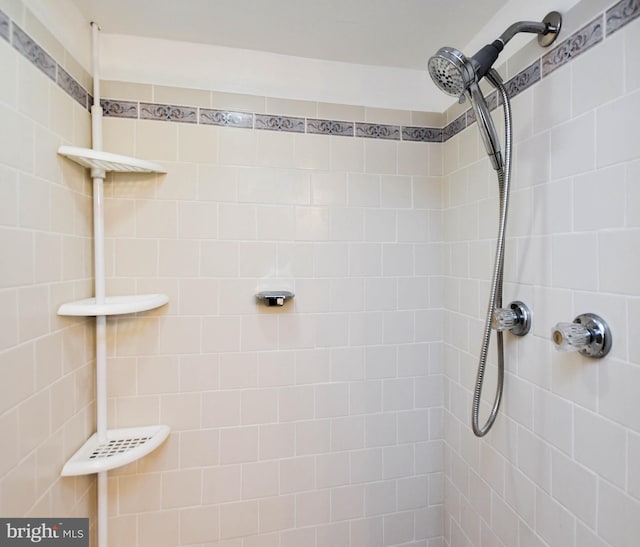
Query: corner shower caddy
{"points": [[107, 448]]}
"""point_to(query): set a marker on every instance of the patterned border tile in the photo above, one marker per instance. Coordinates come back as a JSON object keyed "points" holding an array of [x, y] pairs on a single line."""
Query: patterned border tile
{"points": [[280, 123], [455, 127], [378, 131], [616, 17], [421, 134], [72, 87], [5, 26], [32, 51], [622, 13], [524, 79], [168, 112], [577, 43], [226, 118], [330, 127], [119, 109], [471, 116]]}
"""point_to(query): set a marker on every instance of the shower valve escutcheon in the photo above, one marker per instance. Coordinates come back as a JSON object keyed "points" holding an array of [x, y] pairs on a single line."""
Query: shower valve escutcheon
{"points": [[589, 335], [516, 318]]}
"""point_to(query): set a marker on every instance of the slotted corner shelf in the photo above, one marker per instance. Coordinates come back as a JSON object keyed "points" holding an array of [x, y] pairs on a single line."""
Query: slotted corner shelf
{"points": [[107, 448], [107, 161], [114, 305], [122, 446], [110, 448]]}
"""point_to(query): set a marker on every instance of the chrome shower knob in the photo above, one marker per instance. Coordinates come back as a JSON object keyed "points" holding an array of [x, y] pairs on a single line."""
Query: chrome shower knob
{"points": [[589, 335], [516, 318]]}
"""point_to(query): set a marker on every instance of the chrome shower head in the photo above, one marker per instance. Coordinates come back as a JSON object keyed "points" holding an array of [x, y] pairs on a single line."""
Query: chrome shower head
{"points": [[451, 71], [456, 75]]}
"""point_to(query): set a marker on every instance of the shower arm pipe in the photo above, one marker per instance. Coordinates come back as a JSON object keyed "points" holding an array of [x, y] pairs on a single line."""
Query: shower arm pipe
{"points": [[547, 26], [523, 26]]}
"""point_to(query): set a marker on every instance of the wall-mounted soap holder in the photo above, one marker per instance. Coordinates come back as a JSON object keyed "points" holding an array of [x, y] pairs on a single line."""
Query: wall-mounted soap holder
{"points": [[589, 335], [274, 298]]}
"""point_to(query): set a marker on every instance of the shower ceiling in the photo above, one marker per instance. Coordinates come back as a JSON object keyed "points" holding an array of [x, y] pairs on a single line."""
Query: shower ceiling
{"points": [[393, 33]]}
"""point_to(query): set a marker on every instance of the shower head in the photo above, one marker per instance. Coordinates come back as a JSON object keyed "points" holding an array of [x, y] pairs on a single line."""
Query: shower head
{"points": [[454, 73], [458, 75], [451, 71]]}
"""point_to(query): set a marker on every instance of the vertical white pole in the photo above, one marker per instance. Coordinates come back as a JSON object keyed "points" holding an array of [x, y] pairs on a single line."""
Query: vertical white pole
{"points": [[103, 517], [101, 352], [98, 176], [98, 243]]}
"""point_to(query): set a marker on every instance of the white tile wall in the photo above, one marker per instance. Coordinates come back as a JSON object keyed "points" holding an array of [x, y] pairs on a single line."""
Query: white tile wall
{"points": [[46, 362], [318, 422], [560, 466], [322, 423]]}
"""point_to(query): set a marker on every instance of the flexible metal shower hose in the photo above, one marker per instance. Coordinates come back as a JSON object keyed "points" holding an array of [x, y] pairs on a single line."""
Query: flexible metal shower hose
{"points": [[495, 295]]}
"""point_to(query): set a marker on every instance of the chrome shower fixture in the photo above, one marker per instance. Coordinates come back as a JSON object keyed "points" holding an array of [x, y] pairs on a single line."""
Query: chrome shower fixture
{"points": [[516, 318], [455, 74], [459, 76], [589, 335]]}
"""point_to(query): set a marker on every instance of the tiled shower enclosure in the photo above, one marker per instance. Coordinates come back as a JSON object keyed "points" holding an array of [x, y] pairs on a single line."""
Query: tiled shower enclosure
{"points": [[341, 418]]}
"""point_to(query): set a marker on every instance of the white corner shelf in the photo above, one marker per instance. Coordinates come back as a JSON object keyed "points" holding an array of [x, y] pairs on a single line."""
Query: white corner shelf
{"points": [[114, 305], [121, 447], [107, 161]]}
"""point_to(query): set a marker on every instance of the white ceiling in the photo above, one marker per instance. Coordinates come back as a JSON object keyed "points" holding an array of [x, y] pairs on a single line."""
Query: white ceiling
{"points": [[393, 33], [362, 52]]}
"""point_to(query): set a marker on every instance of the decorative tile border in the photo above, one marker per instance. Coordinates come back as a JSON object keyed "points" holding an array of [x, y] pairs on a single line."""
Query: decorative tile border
{"points": [[226, 118], [279, 123], [455, 126], [616, 17], [330, 127], [119, 109], [579, 42], [421, 134], [72, 87], [622, 13], [33, 52], [524, 79], [168, 113], [378, 131], [5, 26]]}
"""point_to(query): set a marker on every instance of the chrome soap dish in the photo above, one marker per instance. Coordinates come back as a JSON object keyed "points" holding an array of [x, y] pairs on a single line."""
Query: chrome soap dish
{"points": [[274, 298]]}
